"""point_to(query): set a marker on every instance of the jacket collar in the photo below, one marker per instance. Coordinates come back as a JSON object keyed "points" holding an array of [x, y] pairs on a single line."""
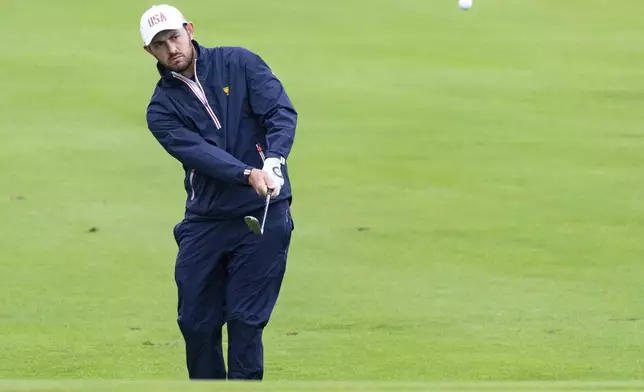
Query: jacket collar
{"points": [[202, 66]]}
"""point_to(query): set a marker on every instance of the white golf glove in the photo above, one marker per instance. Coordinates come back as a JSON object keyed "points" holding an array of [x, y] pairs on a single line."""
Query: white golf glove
{"points": [[273, 166]]}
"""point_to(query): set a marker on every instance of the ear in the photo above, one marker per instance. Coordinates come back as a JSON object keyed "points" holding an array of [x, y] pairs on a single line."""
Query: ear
{"points": [[190, 28], [147, 49]]}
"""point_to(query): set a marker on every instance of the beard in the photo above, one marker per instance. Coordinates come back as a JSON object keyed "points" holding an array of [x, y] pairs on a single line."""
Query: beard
{"points": [[182, 66]]}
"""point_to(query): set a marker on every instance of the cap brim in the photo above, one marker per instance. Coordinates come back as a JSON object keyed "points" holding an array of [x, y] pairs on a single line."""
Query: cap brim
{"points": [[163, 27]]}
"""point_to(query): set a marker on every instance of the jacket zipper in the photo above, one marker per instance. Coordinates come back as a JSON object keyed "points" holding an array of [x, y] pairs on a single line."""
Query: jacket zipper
{"points": [[260, 150], [192, 187], [198, 91]]}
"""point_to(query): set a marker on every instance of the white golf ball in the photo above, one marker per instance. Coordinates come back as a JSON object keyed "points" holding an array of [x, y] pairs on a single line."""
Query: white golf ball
{"points": [[465, 4]]}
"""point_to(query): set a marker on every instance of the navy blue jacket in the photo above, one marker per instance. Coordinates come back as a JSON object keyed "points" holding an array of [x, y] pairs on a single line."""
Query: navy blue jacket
{"points": [[217, 139]]}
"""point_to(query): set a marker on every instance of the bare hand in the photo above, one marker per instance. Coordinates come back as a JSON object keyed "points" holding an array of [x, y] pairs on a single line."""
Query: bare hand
{"points": [[260, 181]]}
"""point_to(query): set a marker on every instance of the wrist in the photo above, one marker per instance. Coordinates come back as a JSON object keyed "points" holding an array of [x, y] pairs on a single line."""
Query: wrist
{"points": [[246, 175]]}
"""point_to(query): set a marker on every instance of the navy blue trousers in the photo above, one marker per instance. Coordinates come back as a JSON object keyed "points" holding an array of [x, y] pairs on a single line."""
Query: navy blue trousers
{"points": [[227, 275]]}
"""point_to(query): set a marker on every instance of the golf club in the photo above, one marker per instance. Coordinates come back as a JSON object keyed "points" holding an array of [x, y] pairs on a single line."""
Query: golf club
{"points": [[251, 221]]}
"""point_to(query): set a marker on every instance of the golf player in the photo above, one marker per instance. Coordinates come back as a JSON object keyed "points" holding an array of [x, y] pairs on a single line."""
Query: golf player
{"points": [[226, 117]]}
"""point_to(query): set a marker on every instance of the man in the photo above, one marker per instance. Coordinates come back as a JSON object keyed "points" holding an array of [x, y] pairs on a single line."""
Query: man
{"points": [[225, 116]]}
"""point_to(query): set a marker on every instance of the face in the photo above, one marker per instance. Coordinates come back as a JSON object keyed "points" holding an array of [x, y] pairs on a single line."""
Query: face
{"points": [[173, 48]]}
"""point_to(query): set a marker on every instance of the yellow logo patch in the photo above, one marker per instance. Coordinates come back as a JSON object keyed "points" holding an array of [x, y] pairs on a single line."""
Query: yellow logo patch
{"points": [[227, 90]]}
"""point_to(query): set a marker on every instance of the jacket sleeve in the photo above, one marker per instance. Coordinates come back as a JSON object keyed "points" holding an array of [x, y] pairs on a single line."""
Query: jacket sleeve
{"points": [[269, 101], [189, 148]]}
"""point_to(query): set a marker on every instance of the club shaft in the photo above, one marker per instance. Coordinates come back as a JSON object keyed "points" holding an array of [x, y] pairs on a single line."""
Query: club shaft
{"points": [[268, 196], [268, 199]]}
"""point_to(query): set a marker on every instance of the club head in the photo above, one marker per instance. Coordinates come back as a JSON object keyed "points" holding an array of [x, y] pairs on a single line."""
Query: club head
{"points": [[253, 224]]}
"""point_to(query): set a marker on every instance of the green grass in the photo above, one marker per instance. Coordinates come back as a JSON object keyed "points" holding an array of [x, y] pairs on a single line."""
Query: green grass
{"points": [[468, 192], [161, 386]]}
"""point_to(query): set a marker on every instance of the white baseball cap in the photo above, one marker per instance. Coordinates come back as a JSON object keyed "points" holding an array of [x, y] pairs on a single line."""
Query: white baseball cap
{"points": [[159, 18]]}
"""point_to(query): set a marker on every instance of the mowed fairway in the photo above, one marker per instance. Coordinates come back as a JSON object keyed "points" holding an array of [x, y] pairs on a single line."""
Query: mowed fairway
{"points": [[469, 193]]}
